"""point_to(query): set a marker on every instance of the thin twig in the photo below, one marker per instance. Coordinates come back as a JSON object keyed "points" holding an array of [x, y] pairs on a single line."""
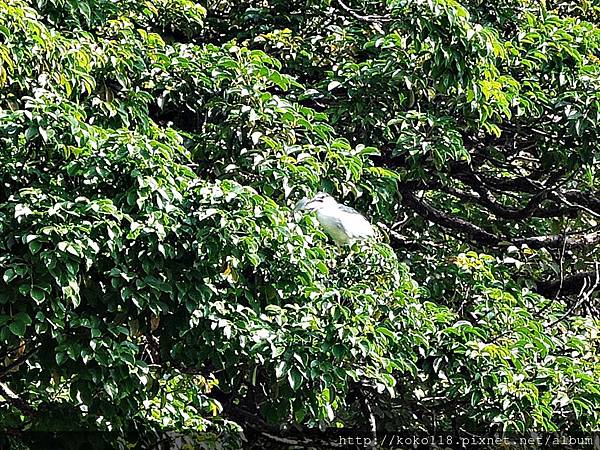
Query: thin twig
{"points": [[17, 362], [562, 262], [371, 416]]}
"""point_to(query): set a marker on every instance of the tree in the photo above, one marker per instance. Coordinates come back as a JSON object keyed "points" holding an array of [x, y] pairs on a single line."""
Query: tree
{"points": [[155, 278]]}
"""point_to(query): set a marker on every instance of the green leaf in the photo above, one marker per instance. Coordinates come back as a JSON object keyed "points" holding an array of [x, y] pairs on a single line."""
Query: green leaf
{"points": [[31, 132], [9, 275], [338, 350], [85, 10], [300, 414], [17, 328], [34, 247], [60, 357], [294, 378], [333, 84], [20, 322], [37, 294]]}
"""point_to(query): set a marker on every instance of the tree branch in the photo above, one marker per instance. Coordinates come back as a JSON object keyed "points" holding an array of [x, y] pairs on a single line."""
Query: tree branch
{"points": [[584, 199], [17, 362], [456, 224], [17, 402], [483, 237], [571, 285], [397, 240], [582, 297], [532, 209], [302, 442], [556, 240]]}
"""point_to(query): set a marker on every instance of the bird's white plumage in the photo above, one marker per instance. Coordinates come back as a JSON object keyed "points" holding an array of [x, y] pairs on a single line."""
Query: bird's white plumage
{"points": [[343, 224]]}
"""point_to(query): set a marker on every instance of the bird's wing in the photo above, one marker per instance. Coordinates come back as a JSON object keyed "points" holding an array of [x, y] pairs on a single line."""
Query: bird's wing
{"points": [[334, 227], [348, 209], [357, 226], [335, 224]]}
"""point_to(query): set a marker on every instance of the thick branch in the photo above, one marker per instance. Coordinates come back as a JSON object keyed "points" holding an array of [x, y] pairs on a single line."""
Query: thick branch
{"points": [[258, 431], [397, 240], [485, 199], [583, 198], [519, 184], [570, 285], [302, 441], [532, 209], [483, 237], [556, 240], [447, 221], [526, 185], [17, 402]]}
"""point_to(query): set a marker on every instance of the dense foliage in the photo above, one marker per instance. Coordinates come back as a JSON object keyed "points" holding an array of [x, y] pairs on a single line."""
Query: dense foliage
{"points": [[154, 276]]}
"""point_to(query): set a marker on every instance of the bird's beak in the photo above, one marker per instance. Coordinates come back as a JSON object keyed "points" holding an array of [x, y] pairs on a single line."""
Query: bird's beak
{"points": [[301, 204], [308, 205]]}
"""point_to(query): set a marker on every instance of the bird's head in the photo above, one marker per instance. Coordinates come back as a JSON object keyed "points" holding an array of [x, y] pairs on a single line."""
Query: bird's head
{"points": [[319, 201]]}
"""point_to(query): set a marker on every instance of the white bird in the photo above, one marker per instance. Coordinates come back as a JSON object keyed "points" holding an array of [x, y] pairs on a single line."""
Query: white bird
{"points": [[343, 224]]}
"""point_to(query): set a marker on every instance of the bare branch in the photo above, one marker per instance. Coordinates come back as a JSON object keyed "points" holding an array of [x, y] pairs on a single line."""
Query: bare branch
{"points": [[483, 237], [397, 240], [369, 413], [584, 199], [302, 442], [533, 207], [571, 285], [17, 402], [456, 224], [556, 240]]}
